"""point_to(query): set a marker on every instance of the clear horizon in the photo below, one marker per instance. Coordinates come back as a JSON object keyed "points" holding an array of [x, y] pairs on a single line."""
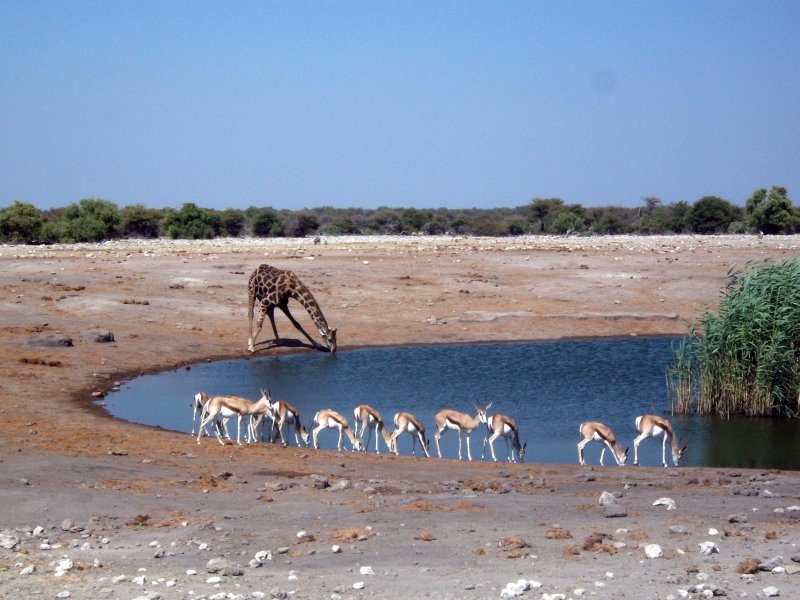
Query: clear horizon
{"points": [[399, 104]]}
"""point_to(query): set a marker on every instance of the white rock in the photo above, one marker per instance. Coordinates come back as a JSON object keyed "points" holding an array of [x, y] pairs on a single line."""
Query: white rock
{"points": [[712, 531], [28, 570], [359, 585], [606, 498], [771, 591], [554, 597], [793, 508], [366, 571], [140, 580], [336, 549], [653, 551], [118, 579], [708, 548], [191, 572], [214, 579], [668, 502], [8, 539], [64, 594], [609, 575]]}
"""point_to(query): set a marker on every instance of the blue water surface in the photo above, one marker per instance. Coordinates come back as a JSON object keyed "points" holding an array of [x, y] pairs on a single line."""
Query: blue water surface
{"points": [[548, 387]]}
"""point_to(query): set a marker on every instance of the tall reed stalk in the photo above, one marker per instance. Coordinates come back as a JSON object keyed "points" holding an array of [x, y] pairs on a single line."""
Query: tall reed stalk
{"points": [[747, 359]]}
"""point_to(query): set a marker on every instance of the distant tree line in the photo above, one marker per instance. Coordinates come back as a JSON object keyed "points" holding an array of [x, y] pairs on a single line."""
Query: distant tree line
{"points": [[93, 220]]}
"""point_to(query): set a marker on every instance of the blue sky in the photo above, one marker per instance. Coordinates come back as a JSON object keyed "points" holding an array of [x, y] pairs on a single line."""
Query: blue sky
{"points": [[429, 104]]}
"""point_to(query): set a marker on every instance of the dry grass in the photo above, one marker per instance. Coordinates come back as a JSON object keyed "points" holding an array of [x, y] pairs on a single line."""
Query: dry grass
{"points": [[351, 534], [558, 533], [512, 543], [428, 506], [748, 566]]}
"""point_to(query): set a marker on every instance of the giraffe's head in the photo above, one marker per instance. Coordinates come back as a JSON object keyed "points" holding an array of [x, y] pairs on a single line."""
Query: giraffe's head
{"points": [[329, 336]]}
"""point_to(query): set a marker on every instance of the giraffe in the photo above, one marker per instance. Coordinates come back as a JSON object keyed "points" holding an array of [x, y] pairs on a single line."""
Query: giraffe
{"points": [[272, 287]]}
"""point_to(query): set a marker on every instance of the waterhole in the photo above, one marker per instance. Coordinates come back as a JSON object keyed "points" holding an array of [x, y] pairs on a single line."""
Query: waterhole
{"points": [[548, 387]]}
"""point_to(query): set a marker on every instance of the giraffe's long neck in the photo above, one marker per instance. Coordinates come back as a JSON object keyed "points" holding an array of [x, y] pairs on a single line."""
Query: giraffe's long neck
{"points": [[306, 298]]}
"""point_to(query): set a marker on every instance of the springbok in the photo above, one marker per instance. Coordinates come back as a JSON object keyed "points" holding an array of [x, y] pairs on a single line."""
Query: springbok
{"points": [[368, 419], [505, 427], [228, 407], [331, 419], [407, 423], [594, 431], [286, 414], [451, 419], [654, 426], [199, 404]]}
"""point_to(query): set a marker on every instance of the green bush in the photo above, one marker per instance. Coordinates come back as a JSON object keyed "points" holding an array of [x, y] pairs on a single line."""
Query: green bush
{"points": [[20, 223], [747, 360], [192, 222]]}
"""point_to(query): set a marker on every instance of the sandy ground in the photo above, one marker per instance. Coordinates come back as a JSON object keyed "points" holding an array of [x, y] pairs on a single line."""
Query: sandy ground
{"points": [[91, 507]]}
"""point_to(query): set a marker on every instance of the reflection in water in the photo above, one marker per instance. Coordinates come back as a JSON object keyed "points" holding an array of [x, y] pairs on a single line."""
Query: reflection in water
{"points": [[548, 387]]}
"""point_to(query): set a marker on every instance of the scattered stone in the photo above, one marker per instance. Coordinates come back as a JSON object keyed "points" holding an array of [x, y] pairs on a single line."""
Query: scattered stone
{"points": [[607, 498], [8, 540], [63, 566], [771, 591], [278, 594], [713, 531], [28, 570], [223, 567], [668, 502], [708, 548], [653, 551], [769, 565], [612, 511], [678, 529], [740, 518], [366, 571], [336, 549], [515, 589], [359, 585], [100, 336], [51, 340], [319, 482]]}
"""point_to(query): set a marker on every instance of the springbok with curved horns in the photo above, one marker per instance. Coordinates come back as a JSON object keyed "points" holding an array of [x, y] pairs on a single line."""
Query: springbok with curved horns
{"points": [[460, 422]]}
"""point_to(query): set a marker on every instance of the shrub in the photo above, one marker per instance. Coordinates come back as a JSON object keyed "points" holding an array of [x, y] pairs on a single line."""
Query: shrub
{"points": [[747, 360], [20, 223]]}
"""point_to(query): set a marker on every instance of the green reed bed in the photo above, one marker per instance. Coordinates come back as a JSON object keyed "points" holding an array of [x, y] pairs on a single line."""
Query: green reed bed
{"points": [[746, 361]]}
